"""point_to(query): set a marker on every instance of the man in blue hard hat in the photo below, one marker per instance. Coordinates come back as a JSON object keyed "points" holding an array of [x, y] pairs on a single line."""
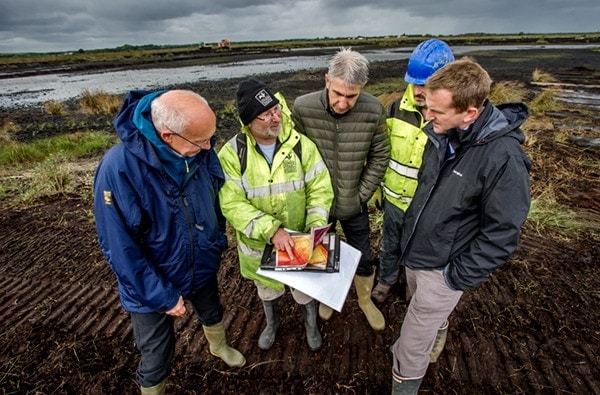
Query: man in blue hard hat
{"points": [[405, 123]]}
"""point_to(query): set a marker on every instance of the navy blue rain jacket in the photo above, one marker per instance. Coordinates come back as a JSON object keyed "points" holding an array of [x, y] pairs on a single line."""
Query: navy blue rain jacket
{"points": [[162, 232]]}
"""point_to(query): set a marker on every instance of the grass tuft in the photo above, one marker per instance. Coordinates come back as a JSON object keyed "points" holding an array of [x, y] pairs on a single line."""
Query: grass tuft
{"points": [[546, 214], [508, 92], [545, 102], [54, 107], [542, 76], [99, 102], [8, 129]]}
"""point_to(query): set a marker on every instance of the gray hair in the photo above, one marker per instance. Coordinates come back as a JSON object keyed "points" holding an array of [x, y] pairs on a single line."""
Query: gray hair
{"points": [[165, 116], [349, 66]]}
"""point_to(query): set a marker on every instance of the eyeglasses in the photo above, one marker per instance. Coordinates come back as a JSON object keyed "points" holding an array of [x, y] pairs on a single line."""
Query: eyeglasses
{"points": [[199, 145], [268, 117]]}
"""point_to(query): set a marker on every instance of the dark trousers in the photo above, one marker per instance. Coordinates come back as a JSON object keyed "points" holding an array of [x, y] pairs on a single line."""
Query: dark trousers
{"points": [[389, 250], [357, 232], [154, 333]]}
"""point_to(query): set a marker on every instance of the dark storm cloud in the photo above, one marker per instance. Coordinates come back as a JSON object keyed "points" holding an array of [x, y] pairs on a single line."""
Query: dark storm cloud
{"points": [[41, 25]]}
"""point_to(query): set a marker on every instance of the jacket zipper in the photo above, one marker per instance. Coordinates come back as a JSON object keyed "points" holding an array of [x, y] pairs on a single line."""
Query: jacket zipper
{"points": [[190, 232]]}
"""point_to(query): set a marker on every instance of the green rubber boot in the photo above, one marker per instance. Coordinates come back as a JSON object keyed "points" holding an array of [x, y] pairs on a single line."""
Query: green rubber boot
{"points": [[440, 342], [217, 340], [363, 287], [158, 389], [325, 312]]}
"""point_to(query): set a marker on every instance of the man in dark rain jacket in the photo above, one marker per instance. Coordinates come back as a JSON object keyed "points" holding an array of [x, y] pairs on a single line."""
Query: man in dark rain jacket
{"points": [[464, 220], [160, 226]]}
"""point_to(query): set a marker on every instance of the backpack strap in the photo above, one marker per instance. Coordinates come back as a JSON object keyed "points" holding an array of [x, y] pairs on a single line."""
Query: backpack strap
{"points": [[298, 150], [242, 151]]}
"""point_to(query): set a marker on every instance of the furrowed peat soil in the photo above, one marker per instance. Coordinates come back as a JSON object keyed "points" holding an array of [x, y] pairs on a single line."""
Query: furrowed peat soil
{"points": [[532, 328]]}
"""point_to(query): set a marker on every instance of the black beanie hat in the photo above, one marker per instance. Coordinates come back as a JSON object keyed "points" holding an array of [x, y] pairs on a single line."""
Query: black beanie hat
{"points": [[253, 98]]}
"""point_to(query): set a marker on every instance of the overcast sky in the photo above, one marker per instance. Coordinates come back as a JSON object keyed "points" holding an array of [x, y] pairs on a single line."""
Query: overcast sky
{"points": [[66, 25]]}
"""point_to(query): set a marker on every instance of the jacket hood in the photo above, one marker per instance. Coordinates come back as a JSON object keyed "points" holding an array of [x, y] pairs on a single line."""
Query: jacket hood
{"points": [[124, 121], [495, 122], [134, 127]]}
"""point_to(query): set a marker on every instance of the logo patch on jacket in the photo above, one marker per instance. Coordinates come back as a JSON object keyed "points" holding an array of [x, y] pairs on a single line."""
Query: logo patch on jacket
{"points": [[289, 163], [107, 198]]}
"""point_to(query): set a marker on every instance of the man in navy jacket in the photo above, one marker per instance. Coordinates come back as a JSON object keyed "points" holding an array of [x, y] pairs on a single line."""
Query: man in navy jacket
{"points": [[464, 220], [159, 224]]}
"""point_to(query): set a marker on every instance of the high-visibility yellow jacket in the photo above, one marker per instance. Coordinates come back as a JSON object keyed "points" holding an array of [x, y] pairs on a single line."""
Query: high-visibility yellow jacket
{"points": [[407, 140], [294, 192]]}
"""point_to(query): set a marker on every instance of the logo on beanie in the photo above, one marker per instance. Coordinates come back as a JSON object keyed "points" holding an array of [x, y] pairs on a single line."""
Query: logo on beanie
{"points": [[263, 97]]}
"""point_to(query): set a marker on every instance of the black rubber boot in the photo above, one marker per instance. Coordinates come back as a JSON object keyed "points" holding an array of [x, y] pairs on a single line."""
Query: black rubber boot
{"points": [[401, 386]]}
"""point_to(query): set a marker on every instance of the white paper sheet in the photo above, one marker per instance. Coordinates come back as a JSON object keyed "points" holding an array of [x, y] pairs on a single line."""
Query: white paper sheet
{"points": [[328, 288]]}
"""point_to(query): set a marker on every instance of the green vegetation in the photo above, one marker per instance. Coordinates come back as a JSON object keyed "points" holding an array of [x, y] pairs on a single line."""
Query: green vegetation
{"points": [[45, 165], [134, 54], [48, 167], [70, 146], [55, 107], [544, 102], [99, 102], [508, 92], [546, 212], [542, 76]]}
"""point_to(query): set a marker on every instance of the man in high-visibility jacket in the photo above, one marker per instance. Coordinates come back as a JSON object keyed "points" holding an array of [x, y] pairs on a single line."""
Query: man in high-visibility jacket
{"points": [[405, 123], [283, 183]]}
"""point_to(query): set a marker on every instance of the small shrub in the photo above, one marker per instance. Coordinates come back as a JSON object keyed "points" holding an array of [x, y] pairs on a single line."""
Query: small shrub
{"points": [[50, 177], [99, 102], [229, 110], [508, 92], [544, 102], [54, 107], [8, 129], [542, 76], [546, 213]]}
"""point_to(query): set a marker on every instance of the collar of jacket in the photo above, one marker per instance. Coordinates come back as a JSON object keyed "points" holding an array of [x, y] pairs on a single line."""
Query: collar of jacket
{"points": [[496, 122], [408, 102]]}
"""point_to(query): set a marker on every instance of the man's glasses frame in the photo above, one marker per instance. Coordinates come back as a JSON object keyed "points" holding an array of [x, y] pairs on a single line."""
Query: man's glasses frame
{"points": [[199, 145], [269, 116]]}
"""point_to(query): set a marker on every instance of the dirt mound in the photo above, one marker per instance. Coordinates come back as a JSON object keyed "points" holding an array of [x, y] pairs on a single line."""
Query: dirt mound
{"points": [[531, 328]]}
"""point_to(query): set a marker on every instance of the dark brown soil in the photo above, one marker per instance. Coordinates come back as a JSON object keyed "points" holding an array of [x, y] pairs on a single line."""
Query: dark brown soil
{"points": [[533, 327]]}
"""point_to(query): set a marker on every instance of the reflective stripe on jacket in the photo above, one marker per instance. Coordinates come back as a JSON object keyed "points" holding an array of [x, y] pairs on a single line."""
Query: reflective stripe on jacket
{"points": [[407, 140], [293, 193]]}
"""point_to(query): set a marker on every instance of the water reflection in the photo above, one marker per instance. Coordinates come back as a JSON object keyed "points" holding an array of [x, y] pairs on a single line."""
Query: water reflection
{"points": [[30, 90]]}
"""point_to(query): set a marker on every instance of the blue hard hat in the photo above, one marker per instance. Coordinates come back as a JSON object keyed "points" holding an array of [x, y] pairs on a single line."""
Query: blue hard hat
{"points": [[427, 58]]}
